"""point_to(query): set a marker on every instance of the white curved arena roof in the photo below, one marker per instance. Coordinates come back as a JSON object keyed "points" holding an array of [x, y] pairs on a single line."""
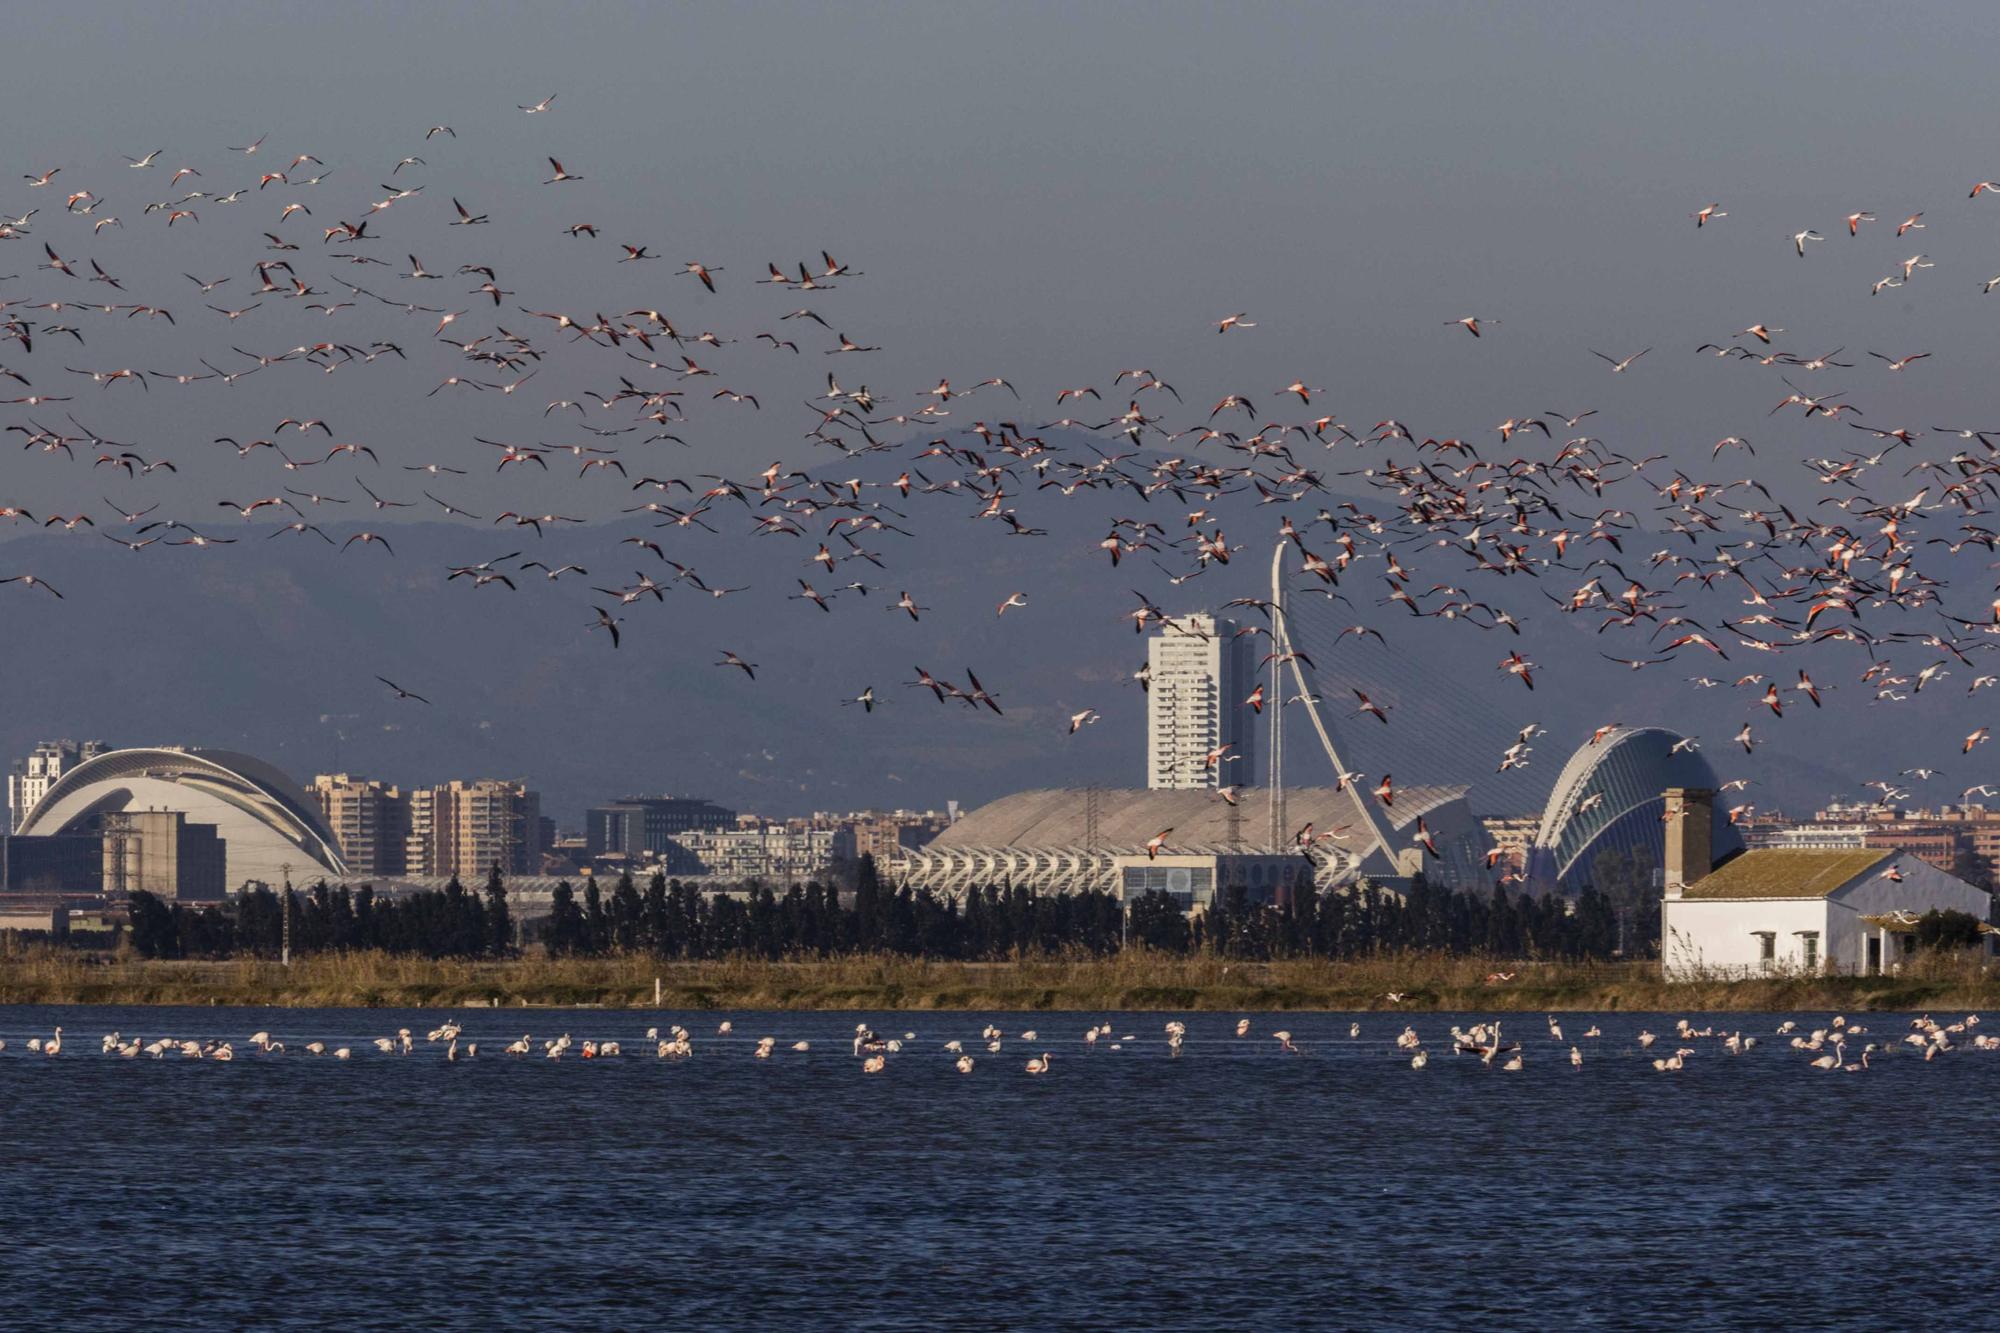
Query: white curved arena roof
{"points": [[1128, 816], [267, 821]]}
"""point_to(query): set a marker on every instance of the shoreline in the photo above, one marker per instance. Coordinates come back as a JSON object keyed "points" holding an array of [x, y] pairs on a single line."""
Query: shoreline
{"points": [[1138, 982]]}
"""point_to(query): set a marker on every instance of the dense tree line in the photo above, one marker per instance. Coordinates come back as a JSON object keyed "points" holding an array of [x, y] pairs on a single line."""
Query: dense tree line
{"points": [[1626, 882], [446, 923], [1369, 920], [676, 920], [672, 919], [1947, 930]]}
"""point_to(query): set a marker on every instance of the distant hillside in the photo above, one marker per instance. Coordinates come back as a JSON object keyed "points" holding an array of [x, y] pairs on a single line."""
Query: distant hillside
{"points": [[272, 646]]}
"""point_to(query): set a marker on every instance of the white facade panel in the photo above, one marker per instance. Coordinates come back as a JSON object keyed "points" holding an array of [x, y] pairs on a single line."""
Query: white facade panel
{"points": [[1702, 937]]}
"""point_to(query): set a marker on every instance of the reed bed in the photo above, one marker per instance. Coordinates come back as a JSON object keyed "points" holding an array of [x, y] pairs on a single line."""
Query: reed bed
{"points": [[1136, 980]]}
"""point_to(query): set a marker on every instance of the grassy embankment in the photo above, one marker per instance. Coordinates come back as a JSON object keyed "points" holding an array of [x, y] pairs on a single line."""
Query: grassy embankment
{"points": [[1134, 981]]}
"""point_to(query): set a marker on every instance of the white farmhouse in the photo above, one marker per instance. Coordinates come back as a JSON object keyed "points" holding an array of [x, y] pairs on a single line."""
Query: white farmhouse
{"points": [[1792, 910]]}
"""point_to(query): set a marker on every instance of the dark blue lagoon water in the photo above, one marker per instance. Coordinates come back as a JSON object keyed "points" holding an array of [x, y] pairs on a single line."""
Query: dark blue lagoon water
{"points": [[1233, 1186]]}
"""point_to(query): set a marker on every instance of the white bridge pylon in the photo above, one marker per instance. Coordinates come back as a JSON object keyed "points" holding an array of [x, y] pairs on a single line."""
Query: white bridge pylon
{"points": [[1380, 835]]}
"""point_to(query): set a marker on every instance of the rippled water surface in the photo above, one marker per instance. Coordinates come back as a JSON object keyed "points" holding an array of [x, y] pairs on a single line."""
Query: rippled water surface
{"points": [[1236, 1186]]}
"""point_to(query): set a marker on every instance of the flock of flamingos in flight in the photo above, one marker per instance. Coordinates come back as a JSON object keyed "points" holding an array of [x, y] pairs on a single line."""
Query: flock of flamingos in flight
{"points": [[1784, 597], [1826, 1045]]}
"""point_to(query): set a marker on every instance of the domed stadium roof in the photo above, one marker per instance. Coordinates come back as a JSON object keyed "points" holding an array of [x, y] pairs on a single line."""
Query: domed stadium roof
{"points": [[1610, 796], [1061, 839], [1127, 816], [266, 821]]}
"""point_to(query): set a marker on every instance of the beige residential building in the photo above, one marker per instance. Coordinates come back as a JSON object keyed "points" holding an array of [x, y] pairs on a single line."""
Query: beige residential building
{"points": [[1512, 836], [474, 826], [32, 777], [421, 807], [370, 820], [886, 835]]}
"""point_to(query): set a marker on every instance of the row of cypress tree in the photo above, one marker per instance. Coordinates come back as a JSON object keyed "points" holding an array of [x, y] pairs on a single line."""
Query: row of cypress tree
{"points": [[675, 919]]}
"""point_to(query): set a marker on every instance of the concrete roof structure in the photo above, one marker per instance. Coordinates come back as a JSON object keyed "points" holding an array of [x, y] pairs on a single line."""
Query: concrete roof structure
{"points": [[267, 822], [1127, 817], [1784, 872], [1048, 840]]}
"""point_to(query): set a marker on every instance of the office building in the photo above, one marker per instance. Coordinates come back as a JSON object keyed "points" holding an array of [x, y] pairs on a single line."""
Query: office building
{"points": [[1193, 880], [1939, 836], [30, 779], [1942, 836], [1200, 674], [642, 828], [1936, 841]]}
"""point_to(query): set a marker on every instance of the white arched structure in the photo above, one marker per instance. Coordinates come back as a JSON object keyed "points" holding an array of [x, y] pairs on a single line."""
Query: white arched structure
{"points": [[1380, 849], [266, 821], [1056, 840], [1610, 797]]}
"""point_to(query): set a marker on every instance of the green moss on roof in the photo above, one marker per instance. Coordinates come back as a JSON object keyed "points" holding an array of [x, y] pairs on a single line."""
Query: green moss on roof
{"points": [[1783, 872]]}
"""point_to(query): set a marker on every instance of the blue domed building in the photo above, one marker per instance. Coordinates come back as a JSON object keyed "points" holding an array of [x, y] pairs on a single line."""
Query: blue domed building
{"points": [[1611, 796]]}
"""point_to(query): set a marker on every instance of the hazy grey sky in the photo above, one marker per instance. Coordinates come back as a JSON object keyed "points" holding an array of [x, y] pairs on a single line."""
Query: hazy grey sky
{"points": [[1045, 192], [1052, 192]]}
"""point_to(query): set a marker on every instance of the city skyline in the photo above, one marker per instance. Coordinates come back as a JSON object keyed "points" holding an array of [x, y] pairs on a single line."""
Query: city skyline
{"points": [[826, 755], [153, 821], [1589, 230], [461, 829], [370, 585], [671, 585]]}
